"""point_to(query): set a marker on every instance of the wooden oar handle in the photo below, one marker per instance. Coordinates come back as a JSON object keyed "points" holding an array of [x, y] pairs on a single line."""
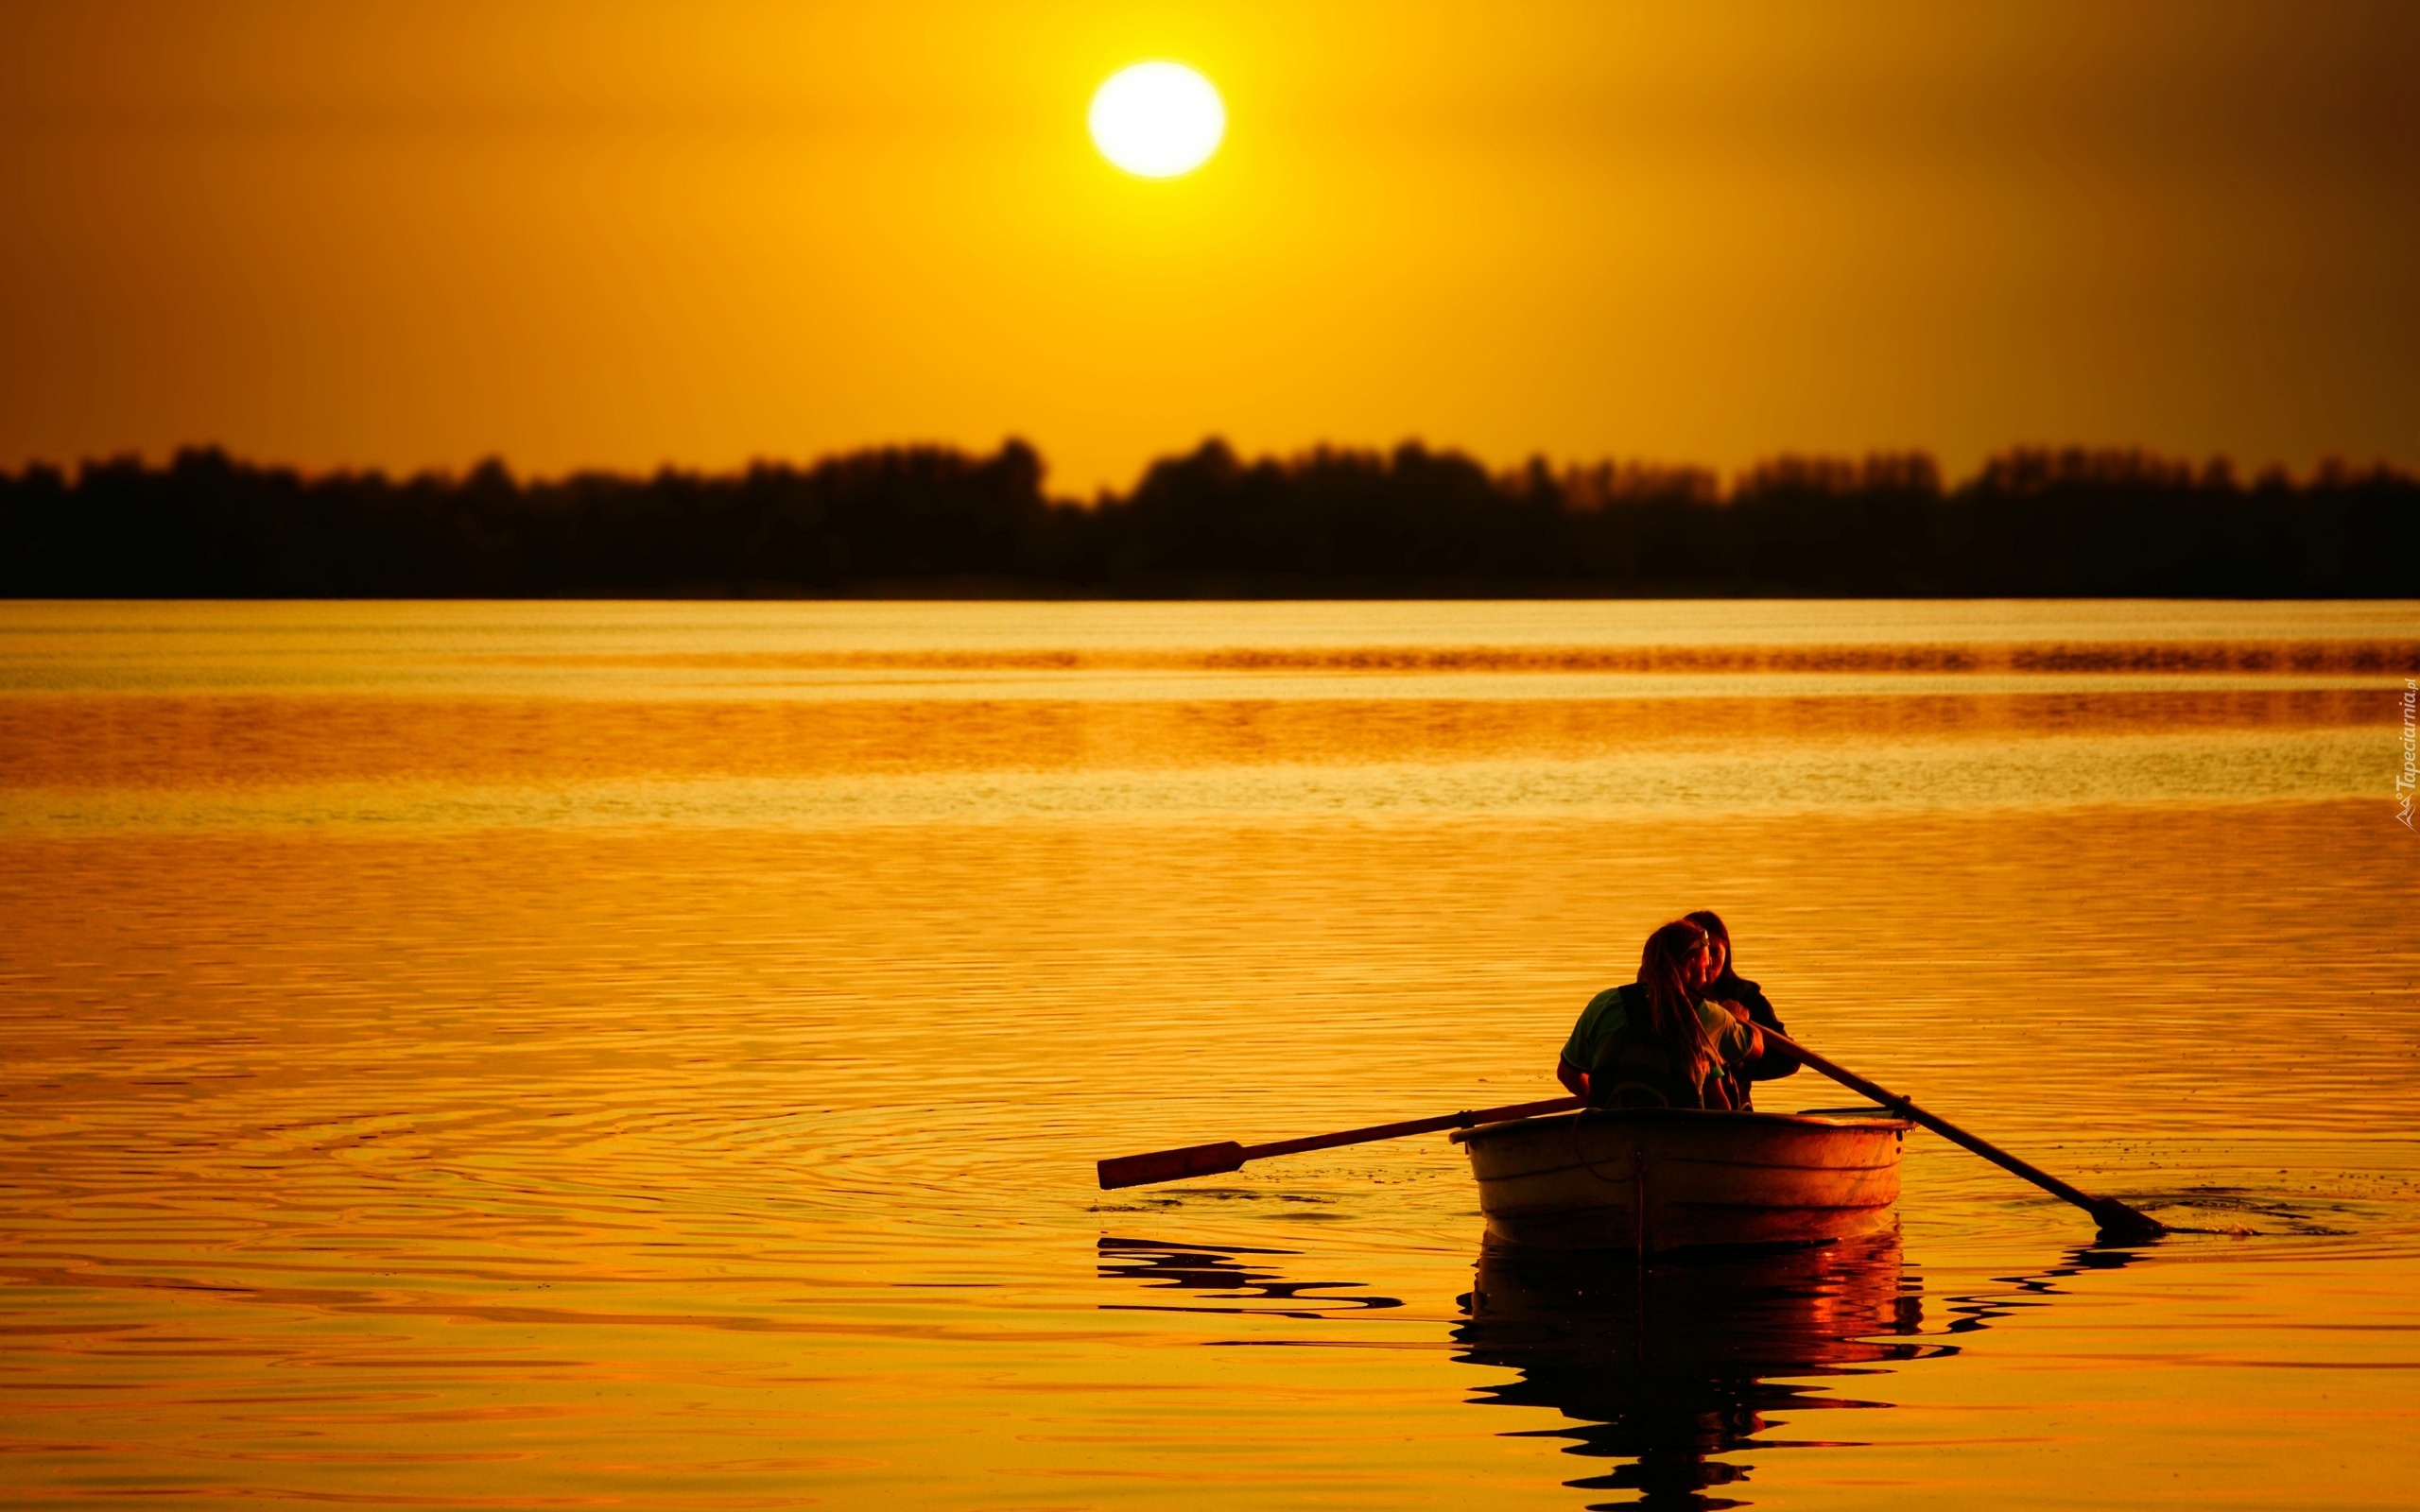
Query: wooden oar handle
{"points": [[1468, 1118], [1218, 1159]]}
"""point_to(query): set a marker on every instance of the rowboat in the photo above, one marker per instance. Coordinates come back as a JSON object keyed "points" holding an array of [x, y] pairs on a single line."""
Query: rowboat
{"points": [[1656, 1180]]}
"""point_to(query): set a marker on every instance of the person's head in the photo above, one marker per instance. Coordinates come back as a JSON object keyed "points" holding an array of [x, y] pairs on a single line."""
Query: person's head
{"points": [[1708, 919], [1673, 972]]}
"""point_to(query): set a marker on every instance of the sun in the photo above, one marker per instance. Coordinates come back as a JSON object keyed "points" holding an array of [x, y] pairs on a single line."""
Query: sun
{"points": [[1157, 120]]}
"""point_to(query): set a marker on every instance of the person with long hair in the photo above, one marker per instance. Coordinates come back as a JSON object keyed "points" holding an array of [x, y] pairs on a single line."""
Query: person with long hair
{"points": [[1660, 1042], [1730, 987]]}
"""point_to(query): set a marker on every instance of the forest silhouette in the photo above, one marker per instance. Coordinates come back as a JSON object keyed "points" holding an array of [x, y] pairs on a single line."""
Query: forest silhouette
{"points": [[1413, 522]]}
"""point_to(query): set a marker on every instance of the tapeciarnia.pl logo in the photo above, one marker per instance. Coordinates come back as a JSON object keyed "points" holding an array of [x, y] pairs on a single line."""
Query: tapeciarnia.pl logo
{"points": [[2405, 779]]}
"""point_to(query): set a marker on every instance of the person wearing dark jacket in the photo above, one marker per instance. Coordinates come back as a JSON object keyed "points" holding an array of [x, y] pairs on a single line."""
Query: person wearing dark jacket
{"points": [[1730, 987]]}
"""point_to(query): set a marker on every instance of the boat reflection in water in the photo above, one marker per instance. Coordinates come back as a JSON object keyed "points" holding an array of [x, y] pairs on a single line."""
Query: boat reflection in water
{"points": [[1671, 1364], [1667, 1367]]}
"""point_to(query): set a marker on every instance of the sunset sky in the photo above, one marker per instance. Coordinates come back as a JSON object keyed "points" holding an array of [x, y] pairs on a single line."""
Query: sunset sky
{"points": [[618, 236]]}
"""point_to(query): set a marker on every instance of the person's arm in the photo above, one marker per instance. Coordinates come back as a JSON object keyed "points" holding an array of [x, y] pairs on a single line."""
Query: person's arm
{"points": [[1738, 1042], [1764, 1066], [1602, 1016]]}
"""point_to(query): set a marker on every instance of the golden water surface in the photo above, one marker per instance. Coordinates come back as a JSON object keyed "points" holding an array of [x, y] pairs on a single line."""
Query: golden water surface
{"points": [[654, 1054]]}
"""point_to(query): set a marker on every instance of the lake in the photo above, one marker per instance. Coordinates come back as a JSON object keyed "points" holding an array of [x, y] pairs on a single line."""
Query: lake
{"points": [[654, 1054]]}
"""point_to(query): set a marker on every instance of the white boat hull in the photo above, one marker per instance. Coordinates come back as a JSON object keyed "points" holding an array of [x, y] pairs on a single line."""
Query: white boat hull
{"points": [[1653, 1179]]}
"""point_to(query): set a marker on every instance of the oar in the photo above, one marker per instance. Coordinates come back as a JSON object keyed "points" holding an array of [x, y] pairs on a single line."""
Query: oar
{"points": [[1216, 1159], [2116, 1220]]}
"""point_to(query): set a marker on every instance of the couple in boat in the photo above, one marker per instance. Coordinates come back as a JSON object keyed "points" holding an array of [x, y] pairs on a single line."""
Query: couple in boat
{"points": [[1687, 1033]]}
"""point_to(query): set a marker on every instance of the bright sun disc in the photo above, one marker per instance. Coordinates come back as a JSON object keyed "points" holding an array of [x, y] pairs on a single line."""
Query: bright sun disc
{"points": [[1157, 120]]}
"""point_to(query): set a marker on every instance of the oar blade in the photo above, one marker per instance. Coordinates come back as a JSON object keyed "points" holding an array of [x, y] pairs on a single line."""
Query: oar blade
{"points": [[2122, 1225], [1171, 1165]]}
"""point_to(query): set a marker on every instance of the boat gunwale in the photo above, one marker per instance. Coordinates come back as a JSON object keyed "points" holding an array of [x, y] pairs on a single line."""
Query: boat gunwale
{"points": [[1693, 1160], [1598, 1117], [1616, 1205]]}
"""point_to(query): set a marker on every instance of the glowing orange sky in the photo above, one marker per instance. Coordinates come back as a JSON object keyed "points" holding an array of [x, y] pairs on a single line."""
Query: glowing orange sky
{"points": [[595, 234]]}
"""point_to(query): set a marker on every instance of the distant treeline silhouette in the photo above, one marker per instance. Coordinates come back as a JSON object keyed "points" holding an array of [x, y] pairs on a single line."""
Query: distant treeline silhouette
{"points": [[1412, 521]]}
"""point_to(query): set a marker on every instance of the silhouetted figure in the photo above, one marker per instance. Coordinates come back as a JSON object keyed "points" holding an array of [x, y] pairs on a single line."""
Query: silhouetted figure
{"points": [[1660, 1042]]}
